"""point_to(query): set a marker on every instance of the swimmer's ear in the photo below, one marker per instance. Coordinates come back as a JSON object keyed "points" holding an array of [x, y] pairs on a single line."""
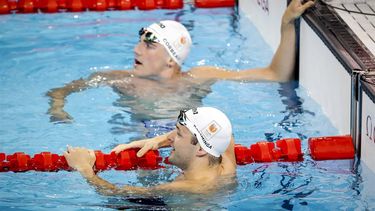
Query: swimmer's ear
{"points": [[171, 63], [201, 152]]}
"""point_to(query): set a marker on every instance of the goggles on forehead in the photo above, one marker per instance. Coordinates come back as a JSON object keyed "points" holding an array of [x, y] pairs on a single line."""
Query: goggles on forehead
{"points": [[149, 36], [184, 120]]}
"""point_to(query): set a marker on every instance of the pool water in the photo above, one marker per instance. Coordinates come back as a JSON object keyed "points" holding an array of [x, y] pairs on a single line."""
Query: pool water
{"points": [[44, 51]]}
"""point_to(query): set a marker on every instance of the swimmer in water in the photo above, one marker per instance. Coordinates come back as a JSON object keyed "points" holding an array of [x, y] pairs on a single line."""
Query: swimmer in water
{"points": [[157, 82], [202, 147]]}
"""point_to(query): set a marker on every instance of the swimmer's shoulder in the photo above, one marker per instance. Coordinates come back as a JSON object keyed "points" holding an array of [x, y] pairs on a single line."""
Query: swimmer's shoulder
{"points": [[228, 162], [207, 72], [111, 75], [228, 168], [201, 71], [201, 74]]}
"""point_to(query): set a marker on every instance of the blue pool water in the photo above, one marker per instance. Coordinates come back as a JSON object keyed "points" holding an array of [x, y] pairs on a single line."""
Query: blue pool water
{"points": [[44, 51]]}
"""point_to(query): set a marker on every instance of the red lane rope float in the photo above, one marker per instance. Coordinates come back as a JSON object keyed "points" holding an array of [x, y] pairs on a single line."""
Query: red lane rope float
{"points": [[288, 150], [213, 3], [27, 6], [49, 6], [4, 7], [47, 161], [285, 150], [52, 6], [331, 148], [124, 5]]}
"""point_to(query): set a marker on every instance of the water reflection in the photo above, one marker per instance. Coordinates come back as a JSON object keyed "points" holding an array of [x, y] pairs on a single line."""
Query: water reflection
{"points": [[153, 110], [215, 200]]}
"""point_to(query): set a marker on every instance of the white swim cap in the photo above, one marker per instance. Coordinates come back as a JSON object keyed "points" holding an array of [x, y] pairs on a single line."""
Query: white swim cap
{"points": [[174, 37], [211, 127]]}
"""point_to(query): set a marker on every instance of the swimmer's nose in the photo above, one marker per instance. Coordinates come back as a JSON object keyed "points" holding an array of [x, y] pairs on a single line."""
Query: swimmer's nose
{"points": [[136, 49]]}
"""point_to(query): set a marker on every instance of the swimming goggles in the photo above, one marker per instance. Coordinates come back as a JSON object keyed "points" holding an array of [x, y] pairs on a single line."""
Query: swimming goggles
{"points": [[184, 120], [149, 36]]}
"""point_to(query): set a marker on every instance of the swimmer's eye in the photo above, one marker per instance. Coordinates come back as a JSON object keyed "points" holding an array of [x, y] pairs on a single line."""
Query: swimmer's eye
{"points": [[149, 44], [150, 37]]}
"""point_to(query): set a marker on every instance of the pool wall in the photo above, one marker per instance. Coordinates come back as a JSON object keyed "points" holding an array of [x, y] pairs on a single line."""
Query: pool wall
{"points": [[266, 17], [333, 69], [320, 72], [367, 119]]}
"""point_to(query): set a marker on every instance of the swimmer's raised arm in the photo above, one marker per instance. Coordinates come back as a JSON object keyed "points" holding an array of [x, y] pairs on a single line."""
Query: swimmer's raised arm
{"points": [[57, 100], [58, 95], [228, 162], [146, 144], [282, 64], [83, 160]]}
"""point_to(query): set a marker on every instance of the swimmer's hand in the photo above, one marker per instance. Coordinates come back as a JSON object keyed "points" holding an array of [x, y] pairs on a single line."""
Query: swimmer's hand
{"points": [[81, 159], [145, 146], [59, 116], [295, 9]]}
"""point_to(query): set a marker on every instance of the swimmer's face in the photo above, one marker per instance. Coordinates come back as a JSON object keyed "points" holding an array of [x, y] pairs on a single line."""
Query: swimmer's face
{"points": [[151, 57], [182, 149]]}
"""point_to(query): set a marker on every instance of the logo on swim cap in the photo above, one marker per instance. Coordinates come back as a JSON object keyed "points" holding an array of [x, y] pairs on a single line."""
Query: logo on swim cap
{"points": [[183, 40], [174, 37], [211, 130], [211, 127]]}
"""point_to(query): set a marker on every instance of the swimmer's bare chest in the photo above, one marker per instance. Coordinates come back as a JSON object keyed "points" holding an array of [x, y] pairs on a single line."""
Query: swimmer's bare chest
{"points": [[146, 88]]}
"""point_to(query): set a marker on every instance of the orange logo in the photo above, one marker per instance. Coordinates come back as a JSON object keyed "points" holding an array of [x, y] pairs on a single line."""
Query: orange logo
{"points": [[183, 40], [212, 128]]}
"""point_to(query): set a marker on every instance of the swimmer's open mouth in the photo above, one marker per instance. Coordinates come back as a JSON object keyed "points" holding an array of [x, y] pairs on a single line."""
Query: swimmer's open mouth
{"points": [[137, 62]]}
